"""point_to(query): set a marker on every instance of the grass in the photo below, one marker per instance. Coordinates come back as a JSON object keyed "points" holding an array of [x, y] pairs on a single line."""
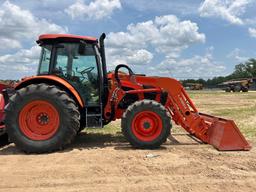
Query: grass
{"points": [[111, 128], [240, 107]]}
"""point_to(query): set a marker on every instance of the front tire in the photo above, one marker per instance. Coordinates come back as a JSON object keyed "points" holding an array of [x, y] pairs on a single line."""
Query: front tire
{"points": [[41, 118], [146, 124], [245, 89]]}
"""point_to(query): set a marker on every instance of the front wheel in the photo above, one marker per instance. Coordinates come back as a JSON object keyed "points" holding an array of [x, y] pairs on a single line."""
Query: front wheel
{"points": [[146, 124], [245, 89], [41, 118]]}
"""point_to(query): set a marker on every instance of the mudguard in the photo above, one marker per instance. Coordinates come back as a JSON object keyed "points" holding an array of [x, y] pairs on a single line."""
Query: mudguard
{"points": [[52, 79]]}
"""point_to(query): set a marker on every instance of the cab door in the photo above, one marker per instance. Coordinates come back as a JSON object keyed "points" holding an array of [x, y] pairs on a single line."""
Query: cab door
{"points": [[79, 66]]}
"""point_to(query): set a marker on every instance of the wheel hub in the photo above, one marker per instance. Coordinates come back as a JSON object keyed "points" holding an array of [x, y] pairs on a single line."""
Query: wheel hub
{"points": [[39, 120], [147, 125], [43, 119]]}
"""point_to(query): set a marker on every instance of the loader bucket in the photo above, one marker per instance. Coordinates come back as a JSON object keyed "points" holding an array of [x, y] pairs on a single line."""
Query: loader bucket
{"points": [[224, 135]]}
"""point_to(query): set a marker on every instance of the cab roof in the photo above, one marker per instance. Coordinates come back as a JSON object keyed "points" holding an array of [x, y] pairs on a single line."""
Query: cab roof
{"points": [[52, 37]]}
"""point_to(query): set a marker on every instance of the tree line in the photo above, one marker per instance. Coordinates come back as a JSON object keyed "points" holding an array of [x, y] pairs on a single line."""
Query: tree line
{"points": [[242, 70]]}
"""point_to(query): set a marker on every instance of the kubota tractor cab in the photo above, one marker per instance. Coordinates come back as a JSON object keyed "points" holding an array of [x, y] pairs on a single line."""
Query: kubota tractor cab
{"points": [[78, 61], [72, 90]]}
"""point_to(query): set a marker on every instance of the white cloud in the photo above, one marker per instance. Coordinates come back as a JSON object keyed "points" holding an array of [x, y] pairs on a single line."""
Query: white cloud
{"points": [[25, 56], [9, 43], [252, 32], [128, 56], [195, 67], [236, 54], [97, 9], [165, 34], [22, 63], [176, 34], [184, 7], [140, 56], [229, 10], [17, 25]]}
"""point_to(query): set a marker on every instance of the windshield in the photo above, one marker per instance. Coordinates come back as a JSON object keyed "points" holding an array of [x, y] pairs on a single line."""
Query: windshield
{"points": [[45, 59]]}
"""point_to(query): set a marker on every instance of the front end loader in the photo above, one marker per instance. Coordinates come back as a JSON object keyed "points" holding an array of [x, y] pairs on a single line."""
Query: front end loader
{"points": [[72, 91]]}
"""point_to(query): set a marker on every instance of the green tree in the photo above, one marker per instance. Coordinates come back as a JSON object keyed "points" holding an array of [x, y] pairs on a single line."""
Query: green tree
{"points": [[245, 70], [242, 70]]}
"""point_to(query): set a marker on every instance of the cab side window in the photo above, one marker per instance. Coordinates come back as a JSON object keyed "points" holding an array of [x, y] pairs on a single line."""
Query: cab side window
{"points": [[45, 59], [79, 68]]}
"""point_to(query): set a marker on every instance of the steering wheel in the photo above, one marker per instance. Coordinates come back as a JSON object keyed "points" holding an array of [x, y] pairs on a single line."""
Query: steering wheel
{"points": [[118, 67], [87, 70]]}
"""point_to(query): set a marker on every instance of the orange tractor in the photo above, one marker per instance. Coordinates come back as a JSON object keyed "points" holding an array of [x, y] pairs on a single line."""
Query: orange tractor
{"points": [[73, 90]]}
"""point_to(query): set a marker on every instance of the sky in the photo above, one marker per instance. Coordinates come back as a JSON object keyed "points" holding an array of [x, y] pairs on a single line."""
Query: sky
{"points": [[173, 38]]}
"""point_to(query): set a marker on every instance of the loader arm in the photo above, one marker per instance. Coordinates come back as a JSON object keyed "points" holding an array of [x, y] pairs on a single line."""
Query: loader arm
{"points": [[223, 134]]}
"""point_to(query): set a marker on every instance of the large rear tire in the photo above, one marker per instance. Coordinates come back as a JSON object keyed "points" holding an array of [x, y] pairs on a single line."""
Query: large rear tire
{"points": [[146, 124], [237, 88], [41, 118], [228, 89]]}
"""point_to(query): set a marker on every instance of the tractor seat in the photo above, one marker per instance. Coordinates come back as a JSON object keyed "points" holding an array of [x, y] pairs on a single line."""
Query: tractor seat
{"points": [[75, 78]]}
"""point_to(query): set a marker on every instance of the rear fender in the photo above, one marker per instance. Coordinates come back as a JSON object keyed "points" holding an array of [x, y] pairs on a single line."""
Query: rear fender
{"points": [[52, 80]]}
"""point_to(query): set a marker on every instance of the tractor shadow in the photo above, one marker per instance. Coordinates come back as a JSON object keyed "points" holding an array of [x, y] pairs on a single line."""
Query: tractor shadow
{"points": [[4, 140], [98, 140], [87, 141]]}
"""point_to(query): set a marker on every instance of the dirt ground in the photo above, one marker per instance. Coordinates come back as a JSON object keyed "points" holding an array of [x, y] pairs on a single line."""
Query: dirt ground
{"points": [[106, 162], [114, 166]]}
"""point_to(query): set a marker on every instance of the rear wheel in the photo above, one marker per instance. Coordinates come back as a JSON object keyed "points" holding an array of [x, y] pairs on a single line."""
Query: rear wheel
{"points": [[82, 125], [41, 118], [228, 89], [237, 88], [146, 124]]}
